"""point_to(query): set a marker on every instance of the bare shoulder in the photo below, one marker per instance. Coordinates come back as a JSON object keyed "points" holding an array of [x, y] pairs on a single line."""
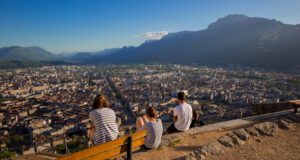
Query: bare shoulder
{"points": [[139, 119]]}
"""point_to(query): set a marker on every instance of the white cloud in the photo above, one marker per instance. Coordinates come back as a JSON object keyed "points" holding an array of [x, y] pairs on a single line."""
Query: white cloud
{"points": [[154, 35]]}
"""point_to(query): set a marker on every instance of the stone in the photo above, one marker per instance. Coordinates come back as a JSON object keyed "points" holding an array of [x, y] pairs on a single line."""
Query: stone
{"points": [[242, 134], [287, 120], [214, 148], [202, 152], [266, 128], [283, 124], [164, 142], [201, 157], [258, 140], [190, 156], [252, 131], [235, 139], [226, 141], [199, 154]]}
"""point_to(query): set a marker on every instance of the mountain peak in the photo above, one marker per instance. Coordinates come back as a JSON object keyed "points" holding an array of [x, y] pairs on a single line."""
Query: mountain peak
{"points": [[235, 16], [238, 19]]}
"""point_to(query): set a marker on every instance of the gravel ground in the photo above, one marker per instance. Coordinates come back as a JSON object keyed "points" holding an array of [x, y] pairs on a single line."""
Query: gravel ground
{"points": [[285, 145], [186, 145]]}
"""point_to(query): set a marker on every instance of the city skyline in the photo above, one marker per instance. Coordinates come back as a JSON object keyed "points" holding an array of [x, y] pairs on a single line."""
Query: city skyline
{"points": [[71, 26]]}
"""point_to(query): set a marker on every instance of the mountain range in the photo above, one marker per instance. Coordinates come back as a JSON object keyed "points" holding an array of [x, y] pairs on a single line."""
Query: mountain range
{"points": [[234, 39], [89, 56], [25, 53]]}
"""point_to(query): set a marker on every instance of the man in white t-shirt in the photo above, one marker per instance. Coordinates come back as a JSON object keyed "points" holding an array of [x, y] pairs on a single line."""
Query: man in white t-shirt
{"points": [[182, 115]]}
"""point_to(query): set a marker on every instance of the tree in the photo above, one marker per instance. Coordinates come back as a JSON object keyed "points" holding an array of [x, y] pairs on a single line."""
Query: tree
{"points": [[6, 154]]}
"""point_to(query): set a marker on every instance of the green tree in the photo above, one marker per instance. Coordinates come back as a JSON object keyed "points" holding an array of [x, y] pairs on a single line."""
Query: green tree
{"points": [[6, 154]]}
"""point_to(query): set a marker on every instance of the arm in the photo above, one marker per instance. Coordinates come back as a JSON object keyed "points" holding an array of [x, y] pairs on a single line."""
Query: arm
{"points": [[140, 125], [91, 131], [175, 117], [91, 128]]}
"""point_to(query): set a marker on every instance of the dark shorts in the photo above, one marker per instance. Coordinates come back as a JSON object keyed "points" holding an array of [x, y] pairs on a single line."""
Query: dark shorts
{"points": [[172, 129], [144, 148]]}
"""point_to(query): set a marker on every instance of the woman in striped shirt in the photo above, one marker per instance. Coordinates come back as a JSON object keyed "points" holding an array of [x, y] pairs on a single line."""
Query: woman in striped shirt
{"points": [[104, 123]]}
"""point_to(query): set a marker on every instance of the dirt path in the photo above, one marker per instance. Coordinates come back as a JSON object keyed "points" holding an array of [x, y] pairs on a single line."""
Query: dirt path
{"points": [[185, 146], [285, 145]]}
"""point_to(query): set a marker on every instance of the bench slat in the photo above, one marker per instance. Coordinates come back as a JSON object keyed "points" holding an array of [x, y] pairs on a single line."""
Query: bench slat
{"points": [[114, 145], [135, 146], [296, 102], [117, 152], [138, 135]]}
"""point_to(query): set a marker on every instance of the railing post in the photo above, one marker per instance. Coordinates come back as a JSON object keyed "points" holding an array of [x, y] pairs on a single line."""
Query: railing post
{"points": [[35, 147], [129, 148], [66, 145], [295, 108]]}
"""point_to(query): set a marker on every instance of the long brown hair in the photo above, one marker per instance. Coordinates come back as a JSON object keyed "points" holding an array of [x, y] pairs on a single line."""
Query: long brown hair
{"points": [[151, 112], [100, 101]]}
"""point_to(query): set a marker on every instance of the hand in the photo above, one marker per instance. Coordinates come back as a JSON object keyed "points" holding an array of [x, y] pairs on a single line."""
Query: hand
{"points": [[91, 132]]}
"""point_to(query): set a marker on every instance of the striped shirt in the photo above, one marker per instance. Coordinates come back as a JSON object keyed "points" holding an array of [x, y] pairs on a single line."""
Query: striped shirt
{"points": [[104, 120]]}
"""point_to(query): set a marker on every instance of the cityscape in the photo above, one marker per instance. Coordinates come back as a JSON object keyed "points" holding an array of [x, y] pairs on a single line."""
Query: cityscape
{"points": [[52, 103], [149, 79]]}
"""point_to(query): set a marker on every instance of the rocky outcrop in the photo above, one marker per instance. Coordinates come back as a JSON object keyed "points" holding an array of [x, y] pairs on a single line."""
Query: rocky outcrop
{"points": [[237, 137], [283, 124], [266, 128], [252, 131], [226, 141], [242, 134], [196, 155], [213, 148]]}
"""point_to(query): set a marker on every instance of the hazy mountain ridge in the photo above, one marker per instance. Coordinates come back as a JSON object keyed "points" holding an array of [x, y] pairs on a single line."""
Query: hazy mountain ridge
{"points": [[234, 39], [25, 53], [17, 53], [90, 56]]}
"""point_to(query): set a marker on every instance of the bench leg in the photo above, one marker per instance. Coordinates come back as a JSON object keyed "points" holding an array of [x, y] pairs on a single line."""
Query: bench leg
{"points": [[296, 108], [129, 148]]}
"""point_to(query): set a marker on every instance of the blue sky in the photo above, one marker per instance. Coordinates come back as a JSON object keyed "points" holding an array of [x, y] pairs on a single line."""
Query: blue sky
{"points": [[91, 25]]}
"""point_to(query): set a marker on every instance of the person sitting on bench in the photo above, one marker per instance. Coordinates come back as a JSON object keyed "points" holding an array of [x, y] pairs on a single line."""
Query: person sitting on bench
{"points": [[104, 125], [154, 129]]}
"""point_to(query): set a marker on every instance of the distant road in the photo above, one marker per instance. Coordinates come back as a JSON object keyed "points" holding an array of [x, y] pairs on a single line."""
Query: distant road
{"points": [[127, 109]]}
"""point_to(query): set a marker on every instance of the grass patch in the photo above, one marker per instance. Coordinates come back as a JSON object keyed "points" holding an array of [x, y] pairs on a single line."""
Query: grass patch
{"points": [[173, 143]]}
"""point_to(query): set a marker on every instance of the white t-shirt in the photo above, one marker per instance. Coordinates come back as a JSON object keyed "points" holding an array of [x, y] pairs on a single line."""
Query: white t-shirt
{"points": [[184, 112]]}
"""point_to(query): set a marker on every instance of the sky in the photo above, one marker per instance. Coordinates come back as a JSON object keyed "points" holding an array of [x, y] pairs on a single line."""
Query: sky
{"points": [[62, 26]]}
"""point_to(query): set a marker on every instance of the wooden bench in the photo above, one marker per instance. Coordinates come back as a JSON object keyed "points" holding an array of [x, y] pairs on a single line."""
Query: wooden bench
{"points": [[296, 104], [111, 150]]}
